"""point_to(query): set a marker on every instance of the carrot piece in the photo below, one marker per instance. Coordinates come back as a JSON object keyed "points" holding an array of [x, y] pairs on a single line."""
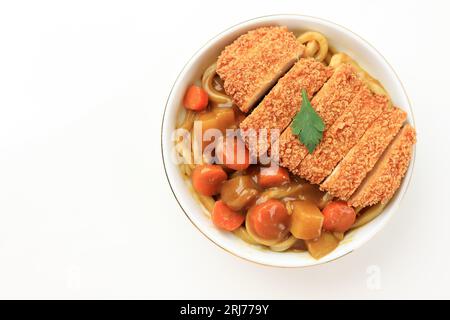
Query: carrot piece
{"points": [[195, 99], [207, 179], [269, 220], [338, 216], [272, 176], [225, 218], [233, 153]]}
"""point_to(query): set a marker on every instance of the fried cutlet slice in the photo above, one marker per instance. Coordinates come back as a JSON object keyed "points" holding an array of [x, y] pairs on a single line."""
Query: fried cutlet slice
{"points": [[343, 134], [383, 181], [352, 170], [252, 64], [277, 109], [334, 97]]}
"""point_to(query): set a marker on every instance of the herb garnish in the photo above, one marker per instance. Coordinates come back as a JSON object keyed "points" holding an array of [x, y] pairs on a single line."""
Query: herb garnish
{"points": [[308, 125]]}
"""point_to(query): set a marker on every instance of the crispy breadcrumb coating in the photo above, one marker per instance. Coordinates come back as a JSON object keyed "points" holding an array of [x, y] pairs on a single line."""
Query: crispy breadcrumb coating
{"points": [[278, 108], [351, 171], [253, 63], [337, 93], [291, 151], [342, 135], [334, 97], [384, 180]]}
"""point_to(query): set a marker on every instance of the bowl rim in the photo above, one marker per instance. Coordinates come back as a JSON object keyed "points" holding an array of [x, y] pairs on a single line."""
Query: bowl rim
{"points": [[406, 180]]}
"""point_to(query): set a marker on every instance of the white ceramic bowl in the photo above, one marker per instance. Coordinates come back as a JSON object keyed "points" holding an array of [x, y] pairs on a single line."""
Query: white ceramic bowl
{"points": [[343, 40]]}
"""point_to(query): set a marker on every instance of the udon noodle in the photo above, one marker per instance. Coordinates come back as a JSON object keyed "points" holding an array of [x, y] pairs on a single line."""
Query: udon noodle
{"points": [[207, 84], [316, 45]]}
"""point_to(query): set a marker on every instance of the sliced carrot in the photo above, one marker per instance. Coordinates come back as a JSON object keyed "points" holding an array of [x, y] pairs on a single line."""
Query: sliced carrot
{"points": [[272, 176], [232, 153], [338, 216], [269, 220], [207, 179], [195, 99], [225, 218]]}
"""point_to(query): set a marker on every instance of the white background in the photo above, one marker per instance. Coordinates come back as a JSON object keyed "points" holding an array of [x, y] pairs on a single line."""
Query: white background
{"points": [[85, 208]]}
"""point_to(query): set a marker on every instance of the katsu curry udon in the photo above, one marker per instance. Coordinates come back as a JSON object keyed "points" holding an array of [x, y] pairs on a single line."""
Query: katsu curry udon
{"points": [[289, 144]]}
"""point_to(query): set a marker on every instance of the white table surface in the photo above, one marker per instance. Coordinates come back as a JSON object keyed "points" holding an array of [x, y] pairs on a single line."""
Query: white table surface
{"points": [[85, 208]]}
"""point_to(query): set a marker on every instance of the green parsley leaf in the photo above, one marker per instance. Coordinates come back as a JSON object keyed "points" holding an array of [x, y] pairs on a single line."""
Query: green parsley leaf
{"points": [[308, 125]]}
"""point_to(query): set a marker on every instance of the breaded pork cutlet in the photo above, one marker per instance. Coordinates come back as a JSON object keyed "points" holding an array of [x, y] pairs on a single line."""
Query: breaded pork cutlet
{"points": [[352, 170], [384, 180], [334, 97], [277, 109], [343, 134], [252, 64]]}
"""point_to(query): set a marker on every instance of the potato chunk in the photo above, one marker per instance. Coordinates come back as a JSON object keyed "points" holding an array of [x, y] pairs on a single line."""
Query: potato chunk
{"points": [[322, 246], [239, 192], [307, 220], [217, 118]]}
